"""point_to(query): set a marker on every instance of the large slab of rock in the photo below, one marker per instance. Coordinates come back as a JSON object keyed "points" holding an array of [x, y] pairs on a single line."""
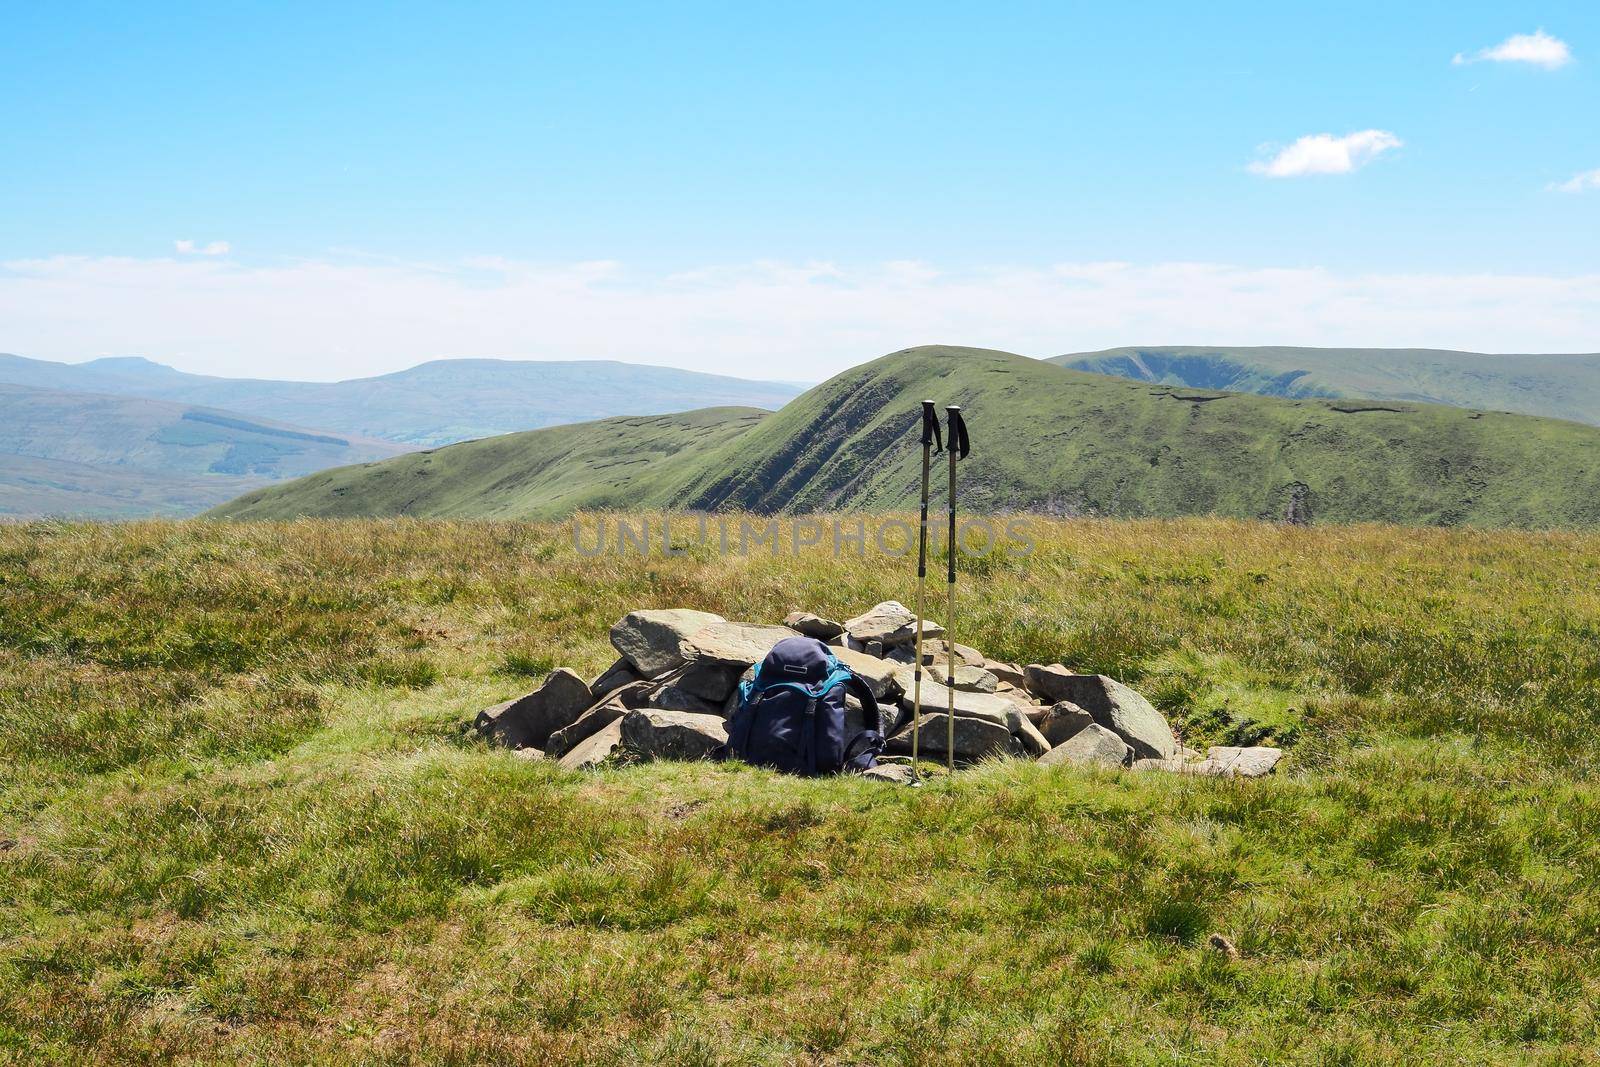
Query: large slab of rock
{"points": [[710, 681], [529, 721], [1028, 735], [614, 677], [936, 698], [971, 679], [1093, 745], [1220, 762], [1006, 673], [890, 623], [1063, 721], [650, 734], [1047, 681], [1256, 761], [597, 717], [898, 773], [1112, 705], [879, 674], [813, 625], [937, 650], [650, 639], [975, 739], [674, 697], [735, 644], [594, 749]]}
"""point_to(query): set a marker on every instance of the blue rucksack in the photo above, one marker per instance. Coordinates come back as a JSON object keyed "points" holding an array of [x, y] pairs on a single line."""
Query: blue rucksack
{"points": [[791, 715]]}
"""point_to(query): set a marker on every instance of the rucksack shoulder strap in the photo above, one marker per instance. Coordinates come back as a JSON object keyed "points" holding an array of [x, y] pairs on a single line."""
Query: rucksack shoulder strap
{"points": [[873, 716]]}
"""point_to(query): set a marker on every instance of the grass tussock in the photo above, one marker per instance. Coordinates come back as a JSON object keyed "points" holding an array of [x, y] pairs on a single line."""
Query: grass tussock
{"points": [[238, 823]]}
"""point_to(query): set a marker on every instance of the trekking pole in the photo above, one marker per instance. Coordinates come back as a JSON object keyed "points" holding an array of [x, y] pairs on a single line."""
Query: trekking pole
{"points": [[930, 439], [958, 444]]}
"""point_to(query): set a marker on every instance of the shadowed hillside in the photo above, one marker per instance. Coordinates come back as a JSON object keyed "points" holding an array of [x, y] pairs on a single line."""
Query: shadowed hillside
{"points": [[1045, 439]]}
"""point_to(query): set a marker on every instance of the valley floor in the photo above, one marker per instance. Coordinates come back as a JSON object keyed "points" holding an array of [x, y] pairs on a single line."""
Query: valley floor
{"points": [[239, 821]]}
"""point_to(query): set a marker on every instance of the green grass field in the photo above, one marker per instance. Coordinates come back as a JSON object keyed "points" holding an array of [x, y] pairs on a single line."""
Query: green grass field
{"points": [[1045, 439], [239, 823]]}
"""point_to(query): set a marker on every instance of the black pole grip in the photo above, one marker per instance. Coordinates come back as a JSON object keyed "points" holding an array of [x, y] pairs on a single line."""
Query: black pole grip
{"points": [[958, 433], [930, 427]]}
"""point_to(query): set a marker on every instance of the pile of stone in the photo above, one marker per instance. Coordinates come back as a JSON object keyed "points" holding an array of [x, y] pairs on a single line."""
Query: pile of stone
{"points": [[676, 682]]}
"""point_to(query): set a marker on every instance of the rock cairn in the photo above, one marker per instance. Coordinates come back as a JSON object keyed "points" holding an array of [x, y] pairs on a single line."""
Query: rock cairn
{"points": [[676, 682]]}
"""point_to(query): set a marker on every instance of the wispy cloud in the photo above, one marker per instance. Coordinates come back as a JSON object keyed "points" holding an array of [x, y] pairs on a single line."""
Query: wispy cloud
{"points": [[191, 248], [781, 320], [1537, 48], [1579, 183], [1323, 153]]}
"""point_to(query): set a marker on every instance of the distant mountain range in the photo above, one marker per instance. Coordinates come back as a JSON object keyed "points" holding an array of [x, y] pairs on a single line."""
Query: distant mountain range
{"points": [[1045, 438], [1557, 386], [430, 404], [91, 454], [126, 437]]}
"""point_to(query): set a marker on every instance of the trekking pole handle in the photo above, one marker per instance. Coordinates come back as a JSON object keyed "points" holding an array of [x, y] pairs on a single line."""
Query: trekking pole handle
{"points": [[959, 446], [930, 427]]}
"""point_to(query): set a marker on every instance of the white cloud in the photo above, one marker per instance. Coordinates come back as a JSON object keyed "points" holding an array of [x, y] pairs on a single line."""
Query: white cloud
{"points": [[1323, 153], [1538, 48], [1579, 183], [190, 248], [798, 321]]}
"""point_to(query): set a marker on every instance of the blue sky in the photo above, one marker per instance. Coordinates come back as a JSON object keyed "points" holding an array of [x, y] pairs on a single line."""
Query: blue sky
{"points": [[821, 170]]}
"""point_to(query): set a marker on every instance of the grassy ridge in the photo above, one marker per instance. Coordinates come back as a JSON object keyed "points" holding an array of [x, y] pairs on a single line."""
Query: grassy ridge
{"points": [[1045, 439], [1555, 386], [238, 823], [636, 461]]}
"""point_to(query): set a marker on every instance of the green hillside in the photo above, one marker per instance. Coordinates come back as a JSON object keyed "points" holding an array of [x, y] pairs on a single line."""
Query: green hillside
{"points": [[430, 404], [1558, 386], [643, 461], [31, 487], [1045, 439], [86, 454]]}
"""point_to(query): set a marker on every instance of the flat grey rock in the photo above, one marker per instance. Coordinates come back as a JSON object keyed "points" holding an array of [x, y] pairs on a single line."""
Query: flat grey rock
{"points": [[1028, 736], [528, 722], [650, 639], [968, 678], [597, 717], [594, 749], [937, 650], [898, 773], [810, 625], [736, 644], [710, 681], [937, 698], [1256, 761], [614, 677], [975, 739], [1064, 720], [889, 623], [879, 674], [652, 734], [1007, 673], [1112, 705], [1093, 745]]}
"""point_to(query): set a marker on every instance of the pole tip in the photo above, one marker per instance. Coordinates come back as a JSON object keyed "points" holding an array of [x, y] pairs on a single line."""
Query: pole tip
{"points": [[952, 407]]}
